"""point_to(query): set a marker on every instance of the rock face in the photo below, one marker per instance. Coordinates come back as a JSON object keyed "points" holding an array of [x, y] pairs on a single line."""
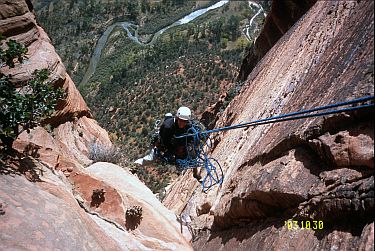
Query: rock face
{"points": [[49, 200], [283, 15], [18, 23], [155, 229], [74, 128], [45, 215], [318, 169], [211, 114]]}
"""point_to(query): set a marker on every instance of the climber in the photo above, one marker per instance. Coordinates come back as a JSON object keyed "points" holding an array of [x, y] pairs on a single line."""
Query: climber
{"points": [[166, 147]]}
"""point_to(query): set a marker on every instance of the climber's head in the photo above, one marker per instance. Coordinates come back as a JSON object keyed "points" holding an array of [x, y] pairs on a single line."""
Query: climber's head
{"points": [[183, 116]]}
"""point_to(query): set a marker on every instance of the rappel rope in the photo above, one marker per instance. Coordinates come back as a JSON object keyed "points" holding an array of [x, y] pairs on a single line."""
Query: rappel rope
{"points": [[197, 156]]}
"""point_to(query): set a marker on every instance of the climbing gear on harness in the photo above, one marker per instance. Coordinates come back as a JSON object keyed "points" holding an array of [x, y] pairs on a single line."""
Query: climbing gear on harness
{"points": [[155, 134], [197, 157], [170, 158], [155, 137], [183, 113], [164, 157]]}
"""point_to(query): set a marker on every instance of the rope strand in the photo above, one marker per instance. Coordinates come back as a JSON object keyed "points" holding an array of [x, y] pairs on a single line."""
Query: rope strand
{"points": [[280, 118], [197, 156]]}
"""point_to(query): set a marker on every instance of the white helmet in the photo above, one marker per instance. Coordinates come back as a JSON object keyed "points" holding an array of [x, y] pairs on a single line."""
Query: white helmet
{"points": [[184, 113]]}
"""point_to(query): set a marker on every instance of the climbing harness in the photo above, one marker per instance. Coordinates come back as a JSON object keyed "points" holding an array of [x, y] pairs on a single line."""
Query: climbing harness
{"points": [[197, 139]]}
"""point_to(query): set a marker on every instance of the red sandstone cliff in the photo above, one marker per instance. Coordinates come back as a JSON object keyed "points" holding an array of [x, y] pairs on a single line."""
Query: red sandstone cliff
{"points": [[57, 199], [283, 15], [317, 169]]}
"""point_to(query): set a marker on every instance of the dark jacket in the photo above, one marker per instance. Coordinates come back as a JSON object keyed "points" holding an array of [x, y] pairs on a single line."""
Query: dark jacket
{"points": [[168, 130]]}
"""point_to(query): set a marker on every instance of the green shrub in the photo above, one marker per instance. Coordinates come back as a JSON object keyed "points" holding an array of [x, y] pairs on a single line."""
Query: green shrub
{"points": [[25, 107]]}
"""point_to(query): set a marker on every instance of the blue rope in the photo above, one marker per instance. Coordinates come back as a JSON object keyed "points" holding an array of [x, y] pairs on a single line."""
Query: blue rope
{"points": [[197, 157], [293, 116]]}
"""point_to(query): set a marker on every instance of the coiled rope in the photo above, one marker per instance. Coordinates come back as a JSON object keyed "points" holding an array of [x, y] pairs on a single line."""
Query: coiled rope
{"points": [[196, 139], [197, 157]]}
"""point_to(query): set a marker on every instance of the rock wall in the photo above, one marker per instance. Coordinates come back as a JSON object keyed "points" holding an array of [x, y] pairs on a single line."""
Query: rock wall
{"points": [[283, 15], [53, 198], [318, 169], [74, 130], [45, 215], [18, 23]]}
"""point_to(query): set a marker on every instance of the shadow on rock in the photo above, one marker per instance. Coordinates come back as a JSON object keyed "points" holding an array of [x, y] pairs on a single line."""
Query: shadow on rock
{"points": [[15, 163], [132, 222], [246, 230]]}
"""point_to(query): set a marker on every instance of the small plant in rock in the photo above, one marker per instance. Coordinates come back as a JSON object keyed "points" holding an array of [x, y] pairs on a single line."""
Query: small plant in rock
{"points": [[134, 212], [97, 197], [102, 153], [133, 217]]}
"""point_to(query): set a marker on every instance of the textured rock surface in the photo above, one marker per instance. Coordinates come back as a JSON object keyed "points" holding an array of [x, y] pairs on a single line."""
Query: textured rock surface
{"points": [[315, 169], [69, 146], [157, 229], [283, 15], [45, 215], [211, 114], [18, 23], [271, 235]]}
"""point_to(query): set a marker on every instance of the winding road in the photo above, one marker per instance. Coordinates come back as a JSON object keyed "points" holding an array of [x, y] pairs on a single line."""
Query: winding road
{"points": [[246, 30], [126, 25]]}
